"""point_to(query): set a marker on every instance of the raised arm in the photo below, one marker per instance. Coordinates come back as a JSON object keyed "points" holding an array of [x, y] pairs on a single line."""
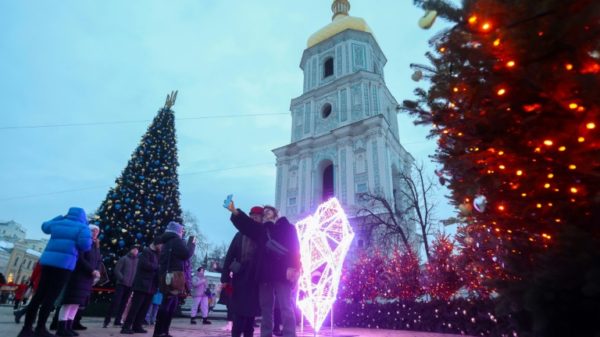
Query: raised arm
{"points": [[245, 224], [252, 229], [47, 226], [183, 251]]}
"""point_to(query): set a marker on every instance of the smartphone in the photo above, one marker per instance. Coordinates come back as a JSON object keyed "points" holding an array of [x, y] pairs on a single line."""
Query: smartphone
{"points": [[228, 201]]}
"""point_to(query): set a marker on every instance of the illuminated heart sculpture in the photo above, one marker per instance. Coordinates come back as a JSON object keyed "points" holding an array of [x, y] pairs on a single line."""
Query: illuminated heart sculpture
{"points": [[324, 241]]}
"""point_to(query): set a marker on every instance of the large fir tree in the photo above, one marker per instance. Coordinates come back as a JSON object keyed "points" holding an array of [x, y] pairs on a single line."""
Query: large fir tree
{"points": [[514, 103], [146, 196]]}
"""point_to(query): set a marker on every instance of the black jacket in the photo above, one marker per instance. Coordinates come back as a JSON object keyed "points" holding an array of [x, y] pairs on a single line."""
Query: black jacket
{"points": [[174, 253], [271, 266], [146, 275], [79, 287], [244, 299]]}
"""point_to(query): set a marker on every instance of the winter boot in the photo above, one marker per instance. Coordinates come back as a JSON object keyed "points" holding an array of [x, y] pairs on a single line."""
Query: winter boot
{"points": [[77, 322], [70, 328], [61, 330], [41, 331], [19, 314], [193, 320], [26, 332], [206, 321]]}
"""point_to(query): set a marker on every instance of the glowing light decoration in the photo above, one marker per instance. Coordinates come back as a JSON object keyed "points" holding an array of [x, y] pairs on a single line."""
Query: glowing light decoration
{"points": [[324, 241]]}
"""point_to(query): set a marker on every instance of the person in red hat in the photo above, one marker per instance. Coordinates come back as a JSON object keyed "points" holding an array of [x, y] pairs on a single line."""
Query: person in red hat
{"points": [[239, 272]]}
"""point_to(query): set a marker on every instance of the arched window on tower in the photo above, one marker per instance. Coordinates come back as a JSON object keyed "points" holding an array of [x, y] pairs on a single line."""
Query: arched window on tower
{"points": [[328, 67], [327, 182]]}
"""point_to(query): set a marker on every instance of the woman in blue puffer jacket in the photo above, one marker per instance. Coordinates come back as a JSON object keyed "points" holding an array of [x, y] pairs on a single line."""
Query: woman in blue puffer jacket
{"points": [[69, 235]]}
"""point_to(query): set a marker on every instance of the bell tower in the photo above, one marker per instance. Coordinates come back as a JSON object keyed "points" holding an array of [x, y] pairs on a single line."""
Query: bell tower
{"points": [[344, 134]]}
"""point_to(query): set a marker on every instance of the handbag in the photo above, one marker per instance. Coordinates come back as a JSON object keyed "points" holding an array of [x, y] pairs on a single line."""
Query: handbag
{"points": [[103, 275], [275, 246], [173, 282]]}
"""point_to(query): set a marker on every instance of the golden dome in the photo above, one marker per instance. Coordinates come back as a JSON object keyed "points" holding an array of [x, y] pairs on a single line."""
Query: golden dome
{"points": [[341, 22]]}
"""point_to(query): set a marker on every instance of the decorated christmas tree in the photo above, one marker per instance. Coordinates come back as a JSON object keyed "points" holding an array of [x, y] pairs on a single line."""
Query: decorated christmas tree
{"points": [[514, 103], [478, 264], [377, 275], [442, 280], [361, 279], [146, 196]]}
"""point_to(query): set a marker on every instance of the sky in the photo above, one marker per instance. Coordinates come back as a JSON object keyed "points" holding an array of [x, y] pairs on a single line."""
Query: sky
{"points": [[98, 62]]}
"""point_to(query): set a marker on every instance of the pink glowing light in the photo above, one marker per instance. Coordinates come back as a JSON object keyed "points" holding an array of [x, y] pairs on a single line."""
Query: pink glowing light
{"points": [[324, 241]]}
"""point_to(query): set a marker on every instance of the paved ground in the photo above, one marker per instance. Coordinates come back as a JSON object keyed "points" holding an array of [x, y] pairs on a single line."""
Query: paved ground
{"points": [[181, 328]]}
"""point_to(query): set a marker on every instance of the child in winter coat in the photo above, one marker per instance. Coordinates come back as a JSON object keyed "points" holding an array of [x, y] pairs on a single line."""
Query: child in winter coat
{"points": [[200, 296]]}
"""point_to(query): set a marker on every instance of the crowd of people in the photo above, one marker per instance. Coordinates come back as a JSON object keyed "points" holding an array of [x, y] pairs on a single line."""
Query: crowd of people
{"points": [[258, 278]]}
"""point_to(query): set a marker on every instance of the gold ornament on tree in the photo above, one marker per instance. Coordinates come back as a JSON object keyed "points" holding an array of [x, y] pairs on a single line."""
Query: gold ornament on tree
{"points": [[427, 20], [465, 209]]}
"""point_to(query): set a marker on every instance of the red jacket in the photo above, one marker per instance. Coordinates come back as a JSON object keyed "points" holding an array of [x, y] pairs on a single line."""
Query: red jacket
{"points": [[20, 291], [35, 275]]}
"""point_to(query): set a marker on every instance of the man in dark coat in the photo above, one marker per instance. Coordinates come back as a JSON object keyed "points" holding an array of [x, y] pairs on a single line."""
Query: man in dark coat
{"points": [[124, 274], [145, 285], [69, 235], [173, 257], [278, 264], [240, 262], [79, 288]]}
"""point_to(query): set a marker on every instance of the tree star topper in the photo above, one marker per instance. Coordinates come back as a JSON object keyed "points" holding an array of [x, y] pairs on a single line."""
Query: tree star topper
{"points": [[325, 238], [170, 101]]}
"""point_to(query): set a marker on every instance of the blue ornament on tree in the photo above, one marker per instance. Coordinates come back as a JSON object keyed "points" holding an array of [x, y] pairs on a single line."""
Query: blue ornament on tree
{"points": [[121, 243], [139, 235]]}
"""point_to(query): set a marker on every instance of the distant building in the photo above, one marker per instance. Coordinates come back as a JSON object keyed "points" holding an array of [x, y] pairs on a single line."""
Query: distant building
{"points": [[21, 262], [5, 251], [18, 255], [12, 231], [37, 245]]}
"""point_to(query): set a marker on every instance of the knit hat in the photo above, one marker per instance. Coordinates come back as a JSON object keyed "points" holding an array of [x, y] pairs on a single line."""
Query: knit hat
{"points": [[94, 227], [256, 210], [174, 227]]}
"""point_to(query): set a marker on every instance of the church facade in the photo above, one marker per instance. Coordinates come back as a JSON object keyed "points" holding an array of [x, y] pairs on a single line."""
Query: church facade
{"points": [[344, 136]]}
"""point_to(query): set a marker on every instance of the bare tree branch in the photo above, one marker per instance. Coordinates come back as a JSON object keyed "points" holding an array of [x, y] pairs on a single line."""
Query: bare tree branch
{"points": [[389, 225]]}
